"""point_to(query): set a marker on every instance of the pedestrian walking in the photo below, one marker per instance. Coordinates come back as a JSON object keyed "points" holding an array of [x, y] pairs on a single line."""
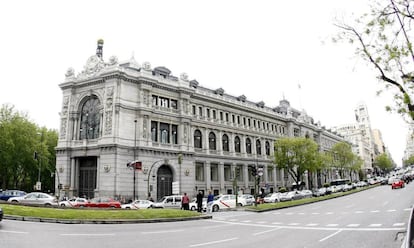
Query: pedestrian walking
{"points": [[210, 199], [185, 202], [200, 196]]}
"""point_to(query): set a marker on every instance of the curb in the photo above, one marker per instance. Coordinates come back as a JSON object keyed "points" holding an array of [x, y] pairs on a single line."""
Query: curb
{"points": [[75, 221]]}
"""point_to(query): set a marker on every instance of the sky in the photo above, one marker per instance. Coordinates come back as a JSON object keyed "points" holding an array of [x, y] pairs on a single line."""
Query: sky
{"points": [[265, 50]]}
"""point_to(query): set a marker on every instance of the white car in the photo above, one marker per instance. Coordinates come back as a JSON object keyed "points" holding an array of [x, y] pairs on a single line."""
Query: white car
{"points": [[226, 202], [193, 205], [138, 204], [272, 197], [35, 198], [248, 198], [76, 202]]}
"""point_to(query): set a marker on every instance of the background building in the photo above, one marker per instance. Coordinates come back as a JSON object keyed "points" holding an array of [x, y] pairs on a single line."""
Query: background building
{"points": [[179, 136]]}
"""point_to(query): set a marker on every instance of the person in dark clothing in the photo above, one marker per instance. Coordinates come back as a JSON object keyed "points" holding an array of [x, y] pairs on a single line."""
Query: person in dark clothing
{"points": [[200, 201]]}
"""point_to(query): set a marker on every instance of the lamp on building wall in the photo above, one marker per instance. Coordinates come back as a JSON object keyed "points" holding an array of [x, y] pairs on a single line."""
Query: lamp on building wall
{"points": [[187, 172]]}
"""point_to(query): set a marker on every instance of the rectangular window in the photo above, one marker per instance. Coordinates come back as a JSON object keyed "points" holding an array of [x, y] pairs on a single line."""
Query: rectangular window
{"points": [[233, 118], [270, 174], [227, 172], [154, 100], [200, 111], [239, 172], [208, 113], [214, 114], [244, 121], [194, 110], [227, 117], [154, 131], [199, 175], [164, 102], [174, 134], [214, 172], [165, 133], [221, 116], [238, 119]]}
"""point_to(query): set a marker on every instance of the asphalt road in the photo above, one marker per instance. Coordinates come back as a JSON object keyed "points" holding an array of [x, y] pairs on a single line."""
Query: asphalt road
{"points": [[372, 218]]}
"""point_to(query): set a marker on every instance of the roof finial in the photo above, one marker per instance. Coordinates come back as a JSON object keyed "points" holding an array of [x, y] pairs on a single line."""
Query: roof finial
{"points": [[99, 49]]}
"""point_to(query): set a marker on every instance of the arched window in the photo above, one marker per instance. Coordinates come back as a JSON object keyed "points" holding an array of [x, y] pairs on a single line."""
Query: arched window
{"points": [[258, 147], [197, 139], [237, 144], [267, 147], [225, 143], [212, 141], [90, 119], [248, 146]]}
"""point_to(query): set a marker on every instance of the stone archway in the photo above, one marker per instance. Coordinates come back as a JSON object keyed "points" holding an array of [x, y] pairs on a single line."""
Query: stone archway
{"points": [[164, 181]]}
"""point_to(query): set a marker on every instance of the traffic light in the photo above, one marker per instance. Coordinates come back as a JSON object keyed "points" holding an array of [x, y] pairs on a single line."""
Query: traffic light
{"points": [[254, 171]]}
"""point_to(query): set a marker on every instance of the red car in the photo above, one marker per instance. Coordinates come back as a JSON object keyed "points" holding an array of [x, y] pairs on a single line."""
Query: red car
{"points": [[398, 184], [103, 202]]}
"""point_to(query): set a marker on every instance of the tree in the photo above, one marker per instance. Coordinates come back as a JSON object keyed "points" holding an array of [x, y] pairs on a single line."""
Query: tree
{"points": [[19, 140], [383, 39], [343, 159], [296, 155], [383, 162], [409, 161]]}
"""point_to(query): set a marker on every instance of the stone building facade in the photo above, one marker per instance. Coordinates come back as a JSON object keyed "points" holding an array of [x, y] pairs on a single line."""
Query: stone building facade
{"points": [[185, 137]]}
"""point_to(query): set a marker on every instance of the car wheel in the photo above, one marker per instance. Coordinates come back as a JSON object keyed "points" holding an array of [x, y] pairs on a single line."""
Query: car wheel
{"points": [[192, 208], [48, 204], [62, 205], [215, 208], [276, 200], [239, 204], [112, 206]]}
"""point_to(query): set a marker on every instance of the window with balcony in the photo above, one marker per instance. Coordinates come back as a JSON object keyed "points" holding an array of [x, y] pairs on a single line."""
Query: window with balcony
{"points": [[237, 144], [248, 146], [258, 147], [225, 141], [197, 139], [212, 141]]}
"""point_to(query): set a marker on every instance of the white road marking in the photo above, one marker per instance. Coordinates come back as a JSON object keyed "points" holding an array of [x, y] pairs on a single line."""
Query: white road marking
{"points": [[277, 223], [375, 211], [328, 213], [353, 225], [315, 213], [375, 225], [301, 213], [276, 213], [213, 242], [391, 210], [407, 209], [261, 222], [398, 224], [330, 236], [359, 212], [293, 224], [246, 221], [14, 232], [163, 231], [332, 225], [88, 234], [290, 213], [312, 224], [271, 230]]}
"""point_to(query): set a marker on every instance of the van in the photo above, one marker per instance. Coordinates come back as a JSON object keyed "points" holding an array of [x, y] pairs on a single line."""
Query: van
{"points": [[171, 201]]}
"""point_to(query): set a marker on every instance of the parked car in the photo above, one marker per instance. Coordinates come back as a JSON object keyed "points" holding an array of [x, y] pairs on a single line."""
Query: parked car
{"points": [[306, 193], [1, 214], [35, 198], [272, 197], [5, 195], [193, 205], [226, 202], [248, 198], [138, 204], [398, 184], [319, 192], [171, 201], [103, 202], [76, 202]]}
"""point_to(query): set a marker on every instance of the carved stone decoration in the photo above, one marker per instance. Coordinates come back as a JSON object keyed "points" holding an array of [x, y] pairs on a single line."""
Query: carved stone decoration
{"points": [[70, 73], [62, 132], [184, 76], [113, 60], [146, 66], [185, 134], [219, 91], [108, 122], [65, 106], [93, 65], [194, 84], [144, 127]]}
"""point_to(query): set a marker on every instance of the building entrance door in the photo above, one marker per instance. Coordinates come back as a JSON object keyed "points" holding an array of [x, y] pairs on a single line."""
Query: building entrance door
{"points": [[87, 177], [164, 181]]}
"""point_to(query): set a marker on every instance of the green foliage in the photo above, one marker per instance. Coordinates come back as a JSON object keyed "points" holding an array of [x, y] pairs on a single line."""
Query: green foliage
{"points": [[343, 159], [409, 161], [383, 162], [282, 190], [297, 155], [19, 139], [383, 38]]}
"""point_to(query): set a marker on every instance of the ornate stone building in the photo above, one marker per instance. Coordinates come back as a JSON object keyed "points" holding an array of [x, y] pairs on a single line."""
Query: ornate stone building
{"points": [[185, 137]]}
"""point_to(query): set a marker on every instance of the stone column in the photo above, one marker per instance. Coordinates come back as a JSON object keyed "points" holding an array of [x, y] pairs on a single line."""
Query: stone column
{"points": [[207, 172], [221, 177]]}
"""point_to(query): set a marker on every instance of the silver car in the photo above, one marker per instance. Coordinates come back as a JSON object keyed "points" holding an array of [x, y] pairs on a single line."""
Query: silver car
{"points": [[35, 198]]}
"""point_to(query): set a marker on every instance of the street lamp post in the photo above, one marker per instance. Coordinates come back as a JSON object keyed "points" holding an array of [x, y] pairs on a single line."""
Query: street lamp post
{"points": [[180, 160], [135, 155]]}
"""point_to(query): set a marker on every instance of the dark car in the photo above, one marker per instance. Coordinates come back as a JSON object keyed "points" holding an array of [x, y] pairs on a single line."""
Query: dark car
{"points": [[5, 195]]}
